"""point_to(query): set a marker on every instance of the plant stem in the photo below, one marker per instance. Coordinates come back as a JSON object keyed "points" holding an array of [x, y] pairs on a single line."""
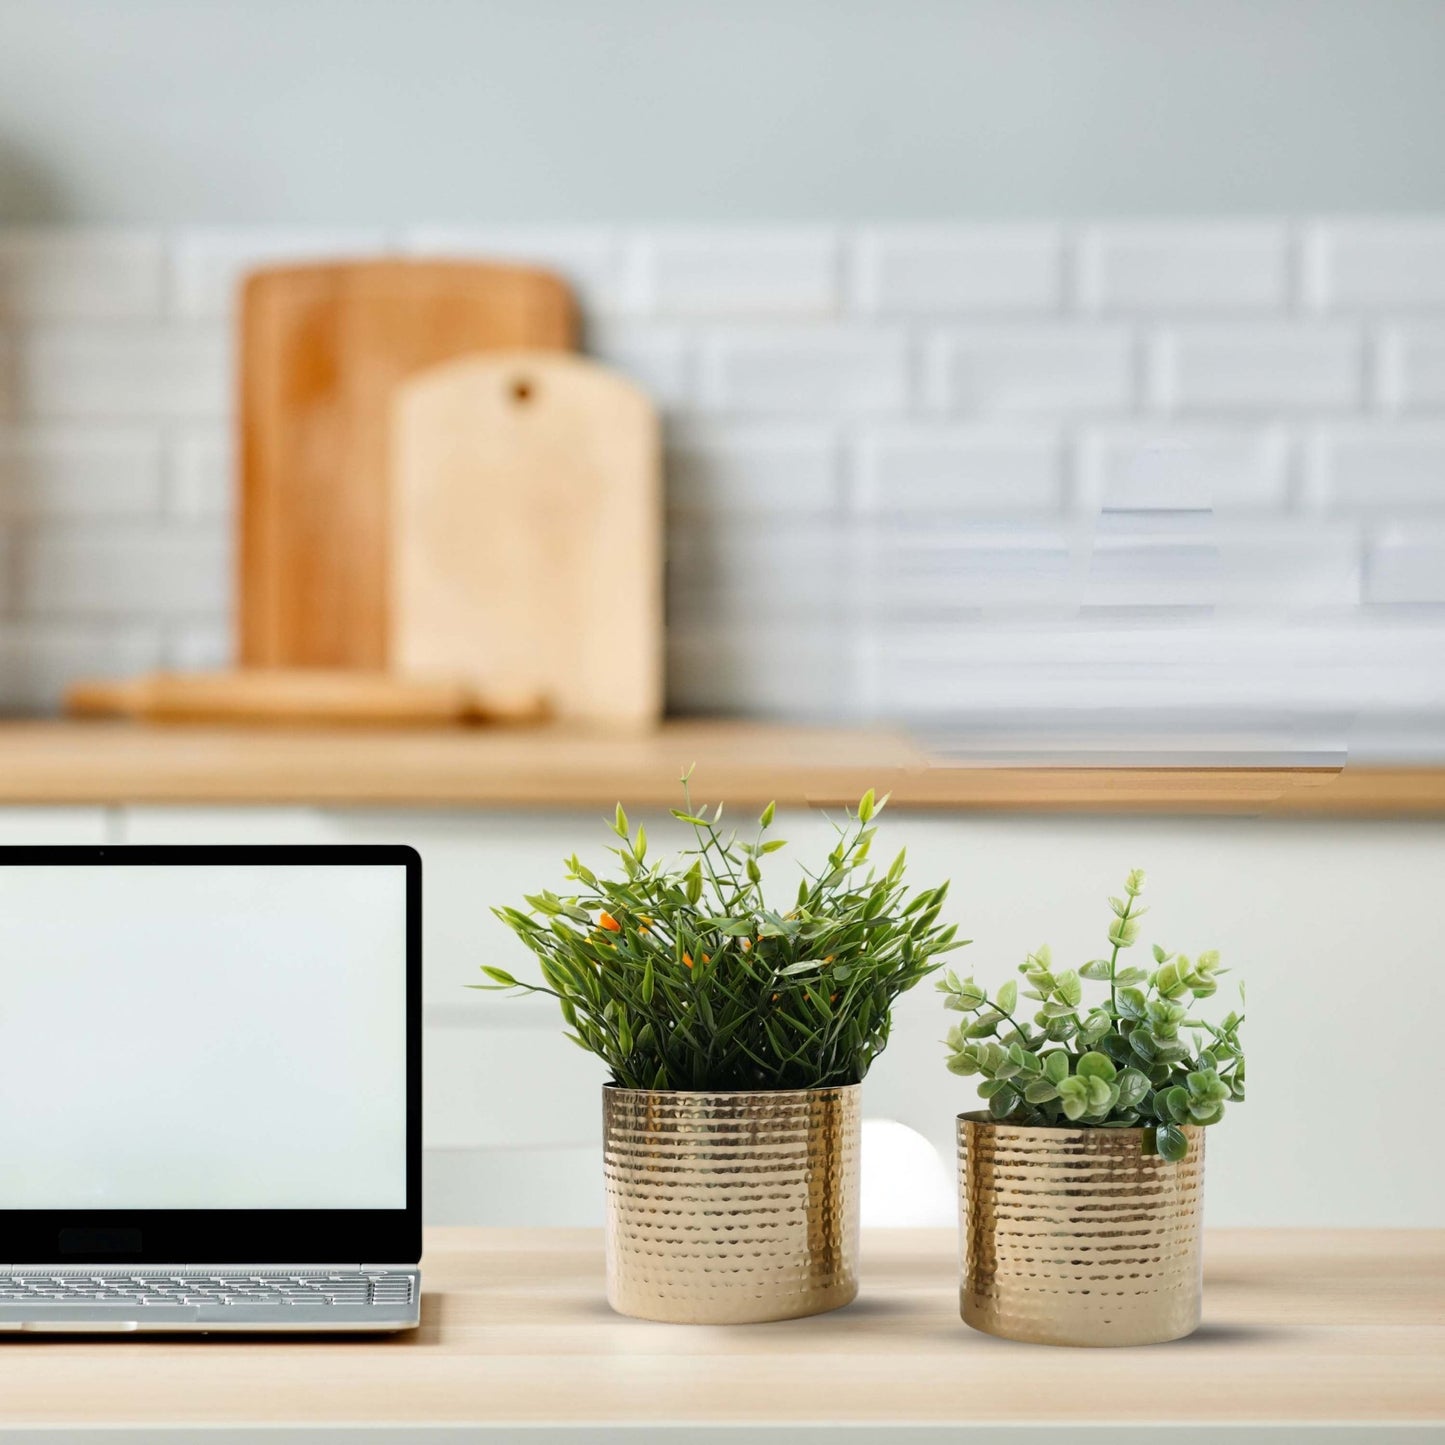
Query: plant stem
{"points": [[1114, 960]]}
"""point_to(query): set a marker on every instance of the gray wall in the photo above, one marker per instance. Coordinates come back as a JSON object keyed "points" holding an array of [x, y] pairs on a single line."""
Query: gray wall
{"points": [[186, 111]]}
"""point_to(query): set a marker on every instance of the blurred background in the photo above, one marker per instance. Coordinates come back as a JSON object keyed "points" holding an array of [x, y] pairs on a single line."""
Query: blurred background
{"points": [[1062, 381]]}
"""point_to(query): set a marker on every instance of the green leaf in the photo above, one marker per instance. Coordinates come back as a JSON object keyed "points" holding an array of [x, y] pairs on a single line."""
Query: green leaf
{"points": [[1124, 932], [1008, 996], [1132, 1087], [865, 806], [1040, 1091], [1068, 988], [1096, 969], [1159, 954], [1176, 1101], [500, 975], [1056, 1066], [767, 816], [1003, 1103], [1132, 1004], [1096, 1066], [1101, 1095], [1171, 1142], [619, 822]]}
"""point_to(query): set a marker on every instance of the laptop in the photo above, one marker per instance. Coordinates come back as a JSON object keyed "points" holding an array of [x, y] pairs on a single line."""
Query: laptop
{"points": [[210, 1089]]}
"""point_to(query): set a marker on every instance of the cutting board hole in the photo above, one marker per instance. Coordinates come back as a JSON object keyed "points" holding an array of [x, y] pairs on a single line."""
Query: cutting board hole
{"points": [[522, 391]]}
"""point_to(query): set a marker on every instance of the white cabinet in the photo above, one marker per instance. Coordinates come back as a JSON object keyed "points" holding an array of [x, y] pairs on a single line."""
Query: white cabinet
{"points": [[1335, 924]]}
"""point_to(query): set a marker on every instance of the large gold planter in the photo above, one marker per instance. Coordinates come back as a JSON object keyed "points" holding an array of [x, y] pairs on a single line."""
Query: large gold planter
{"points": [[1076, 1236], [731, 1208]]}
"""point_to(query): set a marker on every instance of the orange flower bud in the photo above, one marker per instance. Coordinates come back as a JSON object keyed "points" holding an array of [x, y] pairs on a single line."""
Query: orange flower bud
{"points": [[687, 959], [607, 921]]}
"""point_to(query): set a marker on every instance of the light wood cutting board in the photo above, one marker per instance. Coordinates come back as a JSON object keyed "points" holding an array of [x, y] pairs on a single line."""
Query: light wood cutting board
{"points": [[322, 348], [527, 533]]}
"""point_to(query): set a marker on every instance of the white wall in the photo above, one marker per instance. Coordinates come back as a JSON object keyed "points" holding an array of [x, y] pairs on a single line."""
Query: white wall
{"points": [[1334, 926], [346, 111]]}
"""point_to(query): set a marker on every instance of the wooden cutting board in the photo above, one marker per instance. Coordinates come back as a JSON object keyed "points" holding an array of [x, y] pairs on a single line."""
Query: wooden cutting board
{"points": [[527, 533], [322, 348]]}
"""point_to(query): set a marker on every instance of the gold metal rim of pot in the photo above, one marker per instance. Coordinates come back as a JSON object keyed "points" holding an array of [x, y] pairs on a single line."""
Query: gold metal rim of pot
{"points": [[731, 1206]]}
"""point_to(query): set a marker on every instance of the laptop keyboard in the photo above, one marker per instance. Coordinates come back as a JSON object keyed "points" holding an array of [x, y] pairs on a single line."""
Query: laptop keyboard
{"points": [[322, 1288]]}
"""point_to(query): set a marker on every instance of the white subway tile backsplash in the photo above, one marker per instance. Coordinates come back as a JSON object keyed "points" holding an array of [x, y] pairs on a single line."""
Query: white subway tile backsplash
{"points": [[198, 646], [1411, 374], [210, 265], [953, 503], [660, 359], [736, 573], [1170, 466], [202, 473], [1389, 264], [1406, 564], [931, 271], [927, 469], [1156, 560], [729, 273], [1181, 266], [1257, 368], [1377, 467], [724, 469], [79, 472], [60, 274], [1200, 664], [1032, 368], [125, 571], [806, 370], [126, 373], [786, 671], [925, 571], [589, 260], [39, 659]]}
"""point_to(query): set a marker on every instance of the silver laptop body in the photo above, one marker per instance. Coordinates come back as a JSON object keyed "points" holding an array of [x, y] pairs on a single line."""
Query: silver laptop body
{"points": [[210, 1089]]}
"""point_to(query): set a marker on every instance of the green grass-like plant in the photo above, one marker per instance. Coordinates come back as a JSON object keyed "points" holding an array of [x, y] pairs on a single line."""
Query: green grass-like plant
{"points": [[1122, 1063], [679, 975]]}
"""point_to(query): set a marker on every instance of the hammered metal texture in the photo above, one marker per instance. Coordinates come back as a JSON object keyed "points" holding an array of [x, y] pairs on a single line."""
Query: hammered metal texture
{"points": [[731, 1208], [1076, 1236]]}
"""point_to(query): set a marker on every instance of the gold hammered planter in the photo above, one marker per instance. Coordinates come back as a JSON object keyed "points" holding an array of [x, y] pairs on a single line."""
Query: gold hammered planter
{"points": [[731, 1208], [1077, 1237]]}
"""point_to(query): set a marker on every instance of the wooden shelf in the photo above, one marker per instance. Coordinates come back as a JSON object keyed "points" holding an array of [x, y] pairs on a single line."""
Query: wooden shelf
{"points": [[744, 763], [1312, 1328]]}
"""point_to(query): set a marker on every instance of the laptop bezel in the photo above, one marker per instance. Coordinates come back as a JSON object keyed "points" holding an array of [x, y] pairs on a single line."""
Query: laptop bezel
{"points": [[239, 1236]]}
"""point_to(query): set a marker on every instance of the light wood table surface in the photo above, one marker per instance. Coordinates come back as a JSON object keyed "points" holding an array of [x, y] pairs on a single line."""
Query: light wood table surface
{"points": [[746, 763], [1306, 1327]]}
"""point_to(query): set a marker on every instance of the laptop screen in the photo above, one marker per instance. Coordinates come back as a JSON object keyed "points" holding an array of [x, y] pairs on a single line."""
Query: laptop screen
{"points": [[203, 1037]]}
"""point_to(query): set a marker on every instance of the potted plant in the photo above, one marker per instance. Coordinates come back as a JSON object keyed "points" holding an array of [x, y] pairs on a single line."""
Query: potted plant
{"points": [[737, 1034], [1081, 1185]]}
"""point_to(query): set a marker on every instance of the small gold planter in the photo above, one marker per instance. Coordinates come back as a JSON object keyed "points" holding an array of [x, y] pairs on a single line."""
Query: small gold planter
{"points": [[1076, 1236], [731, 1208]]}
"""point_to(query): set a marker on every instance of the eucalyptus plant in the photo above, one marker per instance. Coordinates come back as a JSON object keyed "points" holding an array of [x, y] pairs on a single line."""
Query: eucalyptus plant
{"points": [[1138, 1058], [680, 974]]}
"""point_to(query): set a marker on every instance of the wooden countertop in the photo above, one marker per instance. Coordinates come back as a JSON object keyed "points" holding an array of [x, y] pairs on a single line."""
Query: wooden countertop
{"points": [[744, 763], [1306, 1327]]}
